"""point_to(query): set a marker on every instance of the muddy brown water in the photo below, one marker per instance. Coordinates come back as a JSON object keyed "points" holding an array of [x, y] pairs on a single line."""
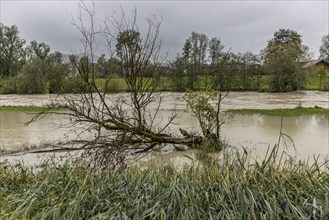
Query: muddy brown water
{"points": [[309, 134]]}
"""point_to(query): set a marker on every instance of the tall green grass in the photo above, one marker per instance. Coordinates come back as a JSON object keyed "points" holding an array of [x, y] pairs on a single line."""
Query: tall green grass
{"points": [[232, 187]]}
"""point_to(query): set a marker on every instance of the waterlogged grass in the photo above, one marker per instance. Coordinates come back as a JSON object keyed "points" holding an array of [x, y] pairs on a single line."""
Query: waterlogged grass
{"points": [[30, 108], [299, 111], [231, 188]]}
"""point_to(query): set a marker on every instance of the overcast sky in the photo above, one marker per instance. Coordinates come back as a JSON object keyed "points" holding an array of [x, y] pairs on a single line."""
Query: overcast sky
{"points": [[241, 25]]}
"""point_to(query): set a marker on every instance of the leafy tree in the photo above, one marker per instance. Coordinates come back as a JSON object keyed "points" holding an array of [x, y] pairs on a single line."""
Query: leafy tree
{"points": [[286, 40], [215, 55], [187, 48], [57, 72], [12, 54], [128, 46], [215, 50], [283, 57], [199, 54], [177, 74], [195, 54], [102, 66], [287, 75], [33, 77], [186, 63], [39, 50], [109, 67], [248, 67], [324, 49], [222, 66], [114, 66]]}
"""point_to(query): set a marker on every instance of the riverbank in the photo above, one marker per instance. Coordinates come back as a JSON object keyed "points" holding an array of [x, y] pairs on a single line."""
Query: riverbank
{"points": [[299, 111], [229, 188], [27, 108]]}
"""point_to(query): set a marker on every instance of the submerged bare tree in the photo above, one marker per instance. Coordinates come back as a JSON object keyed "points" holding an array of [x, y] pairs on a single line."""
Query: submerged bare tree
{"points": [[127, 121]]}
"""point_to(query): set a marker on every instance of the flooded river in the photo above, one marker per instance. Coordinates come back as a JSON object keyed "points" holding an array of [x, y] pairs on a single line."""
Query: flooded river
{"points": [[310, 134]]}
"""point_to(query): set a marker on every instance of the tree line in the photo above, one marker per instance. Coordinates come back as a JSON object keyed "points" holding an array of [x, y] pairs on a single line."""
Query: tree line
{"points": [[202, 64]]}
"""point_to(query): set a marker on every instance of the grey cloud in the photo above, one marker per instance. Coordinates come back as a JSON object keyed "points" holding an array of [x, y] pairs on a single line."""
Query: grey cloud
{"points": [[241, 25]]}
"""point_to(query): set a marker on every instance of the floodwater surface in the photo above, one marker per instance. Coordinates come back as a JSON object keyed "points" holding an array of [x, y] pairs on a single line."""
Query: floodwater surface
{"points": [[304, 136]]}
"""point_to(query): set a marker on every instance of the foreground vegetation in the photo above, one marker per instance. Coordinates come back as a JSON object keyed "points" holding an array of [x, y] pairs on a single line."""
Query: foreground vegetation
{"points": [[231, 188], [284, 111]]}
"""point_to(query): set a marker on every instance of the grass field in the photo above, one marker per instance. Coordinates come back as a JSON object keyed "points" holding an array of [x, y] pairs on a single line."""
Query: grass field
{"points": [[313, 83]]}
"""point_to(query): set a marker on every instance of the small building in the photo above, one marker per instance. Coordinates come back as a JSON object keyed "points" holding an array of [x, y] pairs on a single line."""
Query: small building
{"points": [[313, 66]]}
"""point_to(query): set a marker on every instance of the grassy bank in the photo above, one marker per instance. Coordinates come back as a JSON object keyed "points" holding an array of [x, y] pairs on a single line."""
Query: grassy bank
{"points": [[7, 108], [228, 189], [299, 111], [29, 108]]}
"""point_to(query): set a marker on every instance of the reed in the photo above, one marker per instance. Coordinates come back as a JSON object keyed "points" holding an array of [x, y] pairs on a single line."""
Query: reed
{"points": [[232, 187]]}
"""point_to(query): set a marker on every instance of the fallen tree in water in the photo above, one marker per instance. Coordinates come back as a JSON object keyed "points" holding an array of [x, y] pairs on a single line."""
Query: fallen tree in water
{"points": [[126, 121]]}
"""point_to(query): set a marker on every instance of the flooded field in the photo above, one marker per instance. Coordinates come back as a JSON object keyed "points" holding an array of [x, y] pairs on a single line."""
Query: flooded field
{"points": [[309, 134]]}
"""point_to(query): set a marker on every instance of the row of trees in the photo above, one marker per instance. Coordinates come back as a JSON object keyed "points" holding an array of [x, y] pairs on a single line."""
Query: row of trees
{"points": [[32, 68], [281, 60], [28, 68], [203, 63]]}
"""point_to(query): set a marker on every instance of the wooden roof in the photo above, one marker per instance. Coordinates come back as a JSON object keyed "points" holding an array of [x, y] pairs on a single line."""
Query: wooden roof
{"points": [[315, 62]]}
